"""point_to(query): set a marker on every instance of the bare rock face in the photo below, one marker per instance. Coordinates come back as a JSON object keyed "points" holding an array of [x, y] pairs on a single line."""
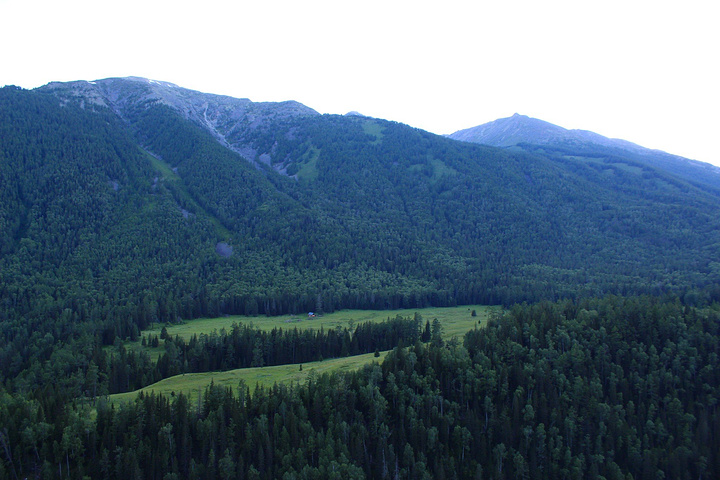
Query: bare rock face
{"points": [[86, 93], [224, 249], [228, 119]]}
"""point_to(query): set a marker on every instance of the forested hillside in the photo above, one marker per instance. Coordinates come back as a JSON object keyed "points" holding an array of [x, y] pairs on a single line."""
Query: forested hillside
{"points": [[119, 210], [126, 202], [579, 390]]}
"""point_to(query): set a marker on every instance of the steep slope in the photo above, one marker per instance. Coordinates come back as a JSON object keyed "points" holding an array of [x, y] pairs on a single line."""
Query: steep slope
{"points": [[228, 119], [100, 237], [533, 134], [527, 216], [380, 214], [93, 231], [121, 205]]}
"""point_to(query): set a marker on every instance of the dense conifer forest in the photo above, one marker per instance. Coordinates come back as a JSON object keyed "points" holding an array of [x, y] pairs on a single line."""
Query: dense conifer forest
{"points": [[118, 211], [611, 388]]}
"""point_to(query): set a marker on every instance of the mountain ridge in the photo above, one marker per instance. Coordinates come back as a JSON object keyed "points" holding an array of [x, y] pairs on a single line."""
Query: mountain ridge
{"points": [[227, 118], [530, 134], [511, 131], [221, 115]]}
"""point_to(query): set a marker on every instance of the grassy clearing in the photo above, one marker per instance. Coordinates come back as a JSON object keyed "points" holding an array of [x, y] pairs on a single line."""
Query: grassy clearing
{"points": [[456, 321], [440, 170], [162, 167], [192, 384], [370, 127], [308, 170], [628, 168]]}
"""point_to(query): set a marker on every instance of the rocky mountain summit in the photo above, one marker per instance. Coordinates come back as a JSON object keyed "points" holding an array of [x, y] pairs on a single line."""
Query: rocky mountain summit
{"points": [[228, 119]]}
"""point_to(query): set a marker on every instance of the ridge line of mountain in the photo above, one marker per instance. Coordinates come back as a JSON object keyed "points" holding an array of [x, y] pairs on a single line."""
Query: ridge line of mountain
{"points": [[532, 134], [226, 113]]}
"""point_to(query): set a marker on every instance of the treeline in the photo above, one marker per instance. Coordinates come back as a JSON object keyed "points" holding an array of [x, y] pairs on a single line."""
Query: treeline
{"points": [[610, 388], [245, 346]]}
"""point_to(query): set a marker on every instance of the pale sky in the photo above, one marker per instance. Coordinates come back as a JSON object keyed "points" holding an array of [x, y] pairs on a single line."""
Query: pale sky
{"points": [[643, 71]]}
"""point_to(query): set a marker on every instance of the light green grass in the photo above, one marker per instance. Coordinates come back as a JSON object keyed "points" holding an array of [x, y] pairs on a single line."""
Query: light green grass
{"points": [[455, 321], [308, 170], [162, 167], [628, 168], [374, 129], [193, 384], [440, 170]]}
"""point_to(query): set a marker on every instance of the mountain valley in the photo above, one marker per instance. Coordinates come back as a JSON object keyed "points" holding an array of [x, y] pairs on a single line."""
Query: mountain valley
{"points": [[127, 202]]}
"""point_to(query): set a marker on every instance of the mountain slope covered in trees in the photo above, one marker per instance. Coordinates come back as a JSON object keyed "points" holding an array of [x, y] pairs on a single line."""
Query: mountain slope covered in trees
{"points": [[591, 389], [532, 134], [128, 201]]}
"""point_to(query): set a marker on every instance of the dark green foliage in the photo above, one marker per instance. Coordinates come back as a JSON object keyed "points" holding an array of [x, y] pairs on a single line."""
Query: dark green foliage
{"points": [[654, 164], [244, 346], [391, 217], [602, 386], [607, 388], [504, 227], [426, 332], [115, 218], [91, 242]]}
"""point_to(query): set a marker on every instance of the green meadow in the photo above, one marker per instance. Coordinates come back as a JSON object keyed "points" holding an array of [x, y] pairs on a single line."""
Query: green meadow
{"points": [[454, 320], [192, 384]]}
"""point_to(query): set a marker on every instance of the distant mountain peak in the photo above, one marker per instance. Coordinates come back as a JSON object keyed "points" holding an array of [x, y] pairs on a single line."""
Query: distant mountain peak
{"points": [[521, 130], [518, 129], [509, 131]]}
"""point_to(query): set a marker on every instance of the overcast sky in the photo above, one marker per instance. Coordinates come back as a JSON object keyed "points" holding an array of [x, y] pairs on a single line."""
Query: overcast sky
{"points": [[644, 71]]}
